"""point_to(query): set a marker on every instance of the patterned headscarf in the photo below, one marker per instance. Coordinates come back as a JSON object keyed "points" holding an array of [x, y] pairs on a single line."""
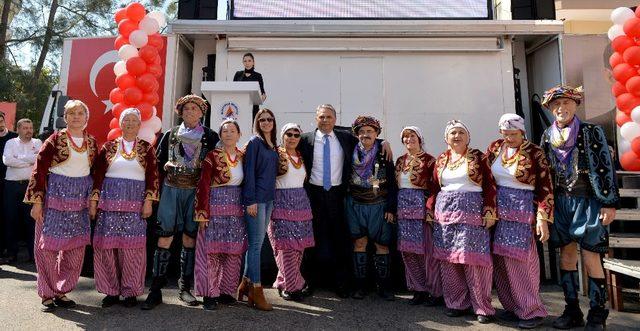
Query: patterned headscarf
{"points": [[200, 102], [288, 127], [418, 133], [562, 91], [455, 124], [510, 121], [129, 111], [365, 121]]}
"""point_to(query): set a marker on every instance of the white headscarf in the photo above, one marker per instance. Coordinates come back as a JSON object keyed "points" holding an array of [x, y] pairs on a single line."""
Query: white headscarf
{"points": [[418, 133], [288, 127], [129, 111], [510, 121], [455, 124]]}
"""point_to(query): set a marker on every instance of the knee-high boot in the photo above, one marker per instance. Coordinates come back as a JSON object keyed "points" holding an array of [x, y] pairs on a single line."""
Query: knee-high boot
{"points": [[597, 317], [187, 263], [160, 263], [572, 315], [383, 273], [360, 274]]}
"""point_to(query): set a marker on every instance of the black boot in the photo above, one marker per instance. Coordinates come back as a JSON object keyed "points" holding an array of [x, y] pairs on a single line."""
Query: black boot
{"points": [[597, 317], [419, 298], [187, 261], [360, 274], [572, 315], [160, 264], [383, 273]]}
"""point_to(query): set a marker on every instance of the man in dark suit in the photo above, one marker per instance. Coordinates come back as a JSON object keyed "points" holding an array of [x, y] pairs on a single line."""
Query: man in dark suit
{"points": [[327, 155]]}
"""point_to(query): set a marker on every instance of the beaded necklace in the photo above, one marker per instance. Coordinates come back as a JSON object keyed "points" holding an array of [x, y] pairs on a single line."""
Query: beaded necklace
{"points": [[123, 150], [457, 163], [79, 149], [509, 161], [232, 162], [296, 164]]}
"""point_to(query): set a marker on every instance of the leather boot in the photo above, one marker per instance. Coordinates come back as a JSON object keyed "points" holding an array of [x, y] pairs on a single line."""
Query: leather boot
{"points": [[597, 317], [187, 261], [360, 275], [383, 273], [572, 315], [244, 289], [257, 299], [160, 263]]}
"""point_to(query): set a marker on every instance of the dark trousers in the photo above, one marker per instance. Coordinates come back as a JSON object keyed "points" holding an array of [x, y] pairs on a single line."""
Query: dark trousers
{"points": [[18, 223], [330, 259]]}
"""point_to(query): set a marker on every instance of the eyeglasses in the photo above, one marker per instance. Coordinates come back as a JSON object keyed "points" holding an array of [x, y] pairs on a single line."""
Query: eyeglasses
{"points": [[266, 119], [291, 134]]}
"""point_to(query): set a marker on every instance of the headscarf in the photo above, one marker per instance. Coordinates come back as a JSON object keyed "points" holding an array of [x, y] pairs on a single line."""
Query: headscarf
{"points": [[562, 91], [198, 101], [129, 111], [288, 127], [366, 121], [455, 124], [510, 121], [564, 140], [418, 133]]}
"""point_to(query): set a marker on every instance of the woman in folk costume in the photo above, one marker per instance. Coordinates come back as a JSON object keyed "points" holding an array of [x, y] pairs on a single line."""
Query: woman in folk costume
{"points": [[290, 230], [525, 201], [414, 170], [465, 210], [222, 234], [59, 191], [124, 188]]}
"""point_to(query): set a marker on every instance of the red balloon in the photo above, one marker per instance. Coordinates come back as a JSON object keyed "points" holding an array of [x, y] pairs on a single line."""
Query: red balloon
{"points": [[146, 82], [151, 98], [615, 59], [622, 72], [136, 66], [157, 60], [116, 95], [132, 95], [626, 102], [114, 123], [125, 81], [621, 43], [114, 133], [120, 41], [635, 146], [622, 118], [117, 109], [156, 41], [632, 55], [136, 12], [632, 27], [155, 69], [630, 161], [618, 88], [146, 111], [126, 26], [633, 85], [148, 53], [120, 15]]}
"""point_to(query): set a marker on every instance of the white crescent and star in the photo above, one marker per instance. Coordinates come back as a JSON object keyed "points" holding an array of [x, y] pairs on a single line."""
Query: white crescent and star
{"points": [[101, 62]]}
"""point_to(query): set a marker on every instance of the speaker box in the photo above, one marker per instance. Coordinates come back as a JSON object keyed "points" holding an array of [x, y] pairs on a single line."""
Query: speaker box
{"points": [[197, 9]]}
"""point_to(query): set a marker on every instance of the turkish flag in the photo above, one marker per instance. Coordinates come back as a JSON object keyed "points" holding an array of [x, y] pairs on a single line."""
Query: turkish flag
{"points": [[90, 79]]}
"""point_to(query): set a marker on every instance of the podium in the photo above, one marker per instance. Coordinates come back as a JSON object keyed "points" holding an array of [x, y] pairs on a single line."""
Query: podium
{"points": [[232, 100]]}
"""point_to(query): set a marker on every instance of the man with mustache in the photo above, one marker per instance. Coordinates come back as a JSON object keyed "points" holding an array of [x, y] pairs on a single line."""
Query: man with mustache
{"points": [[371, 206]]}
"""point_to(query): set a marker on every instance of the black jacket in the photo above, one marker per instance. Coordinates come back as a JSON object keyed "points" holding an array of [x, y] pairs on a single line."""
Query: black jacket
{"points": [[209, 140]]}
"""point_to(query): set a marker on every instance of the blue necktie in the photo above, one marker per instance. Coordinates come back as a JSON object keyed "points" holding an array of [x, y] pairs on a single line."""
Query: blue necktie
{"points": [[326, 163]]}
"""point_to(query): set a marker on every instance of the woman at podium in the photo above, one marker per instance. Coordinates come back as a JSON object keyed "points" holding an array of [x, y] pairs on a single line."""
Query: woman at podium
{"points": [[250, 75]]}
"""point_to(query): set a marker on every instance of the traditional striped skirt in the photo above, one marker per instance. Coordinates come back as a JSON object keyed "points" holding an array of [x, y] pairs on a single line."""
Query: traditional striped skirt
{"points": [[119, 223], [411, 218], [66, 215], [291, 226], [226, 233], [458, 235], [516, 213]]}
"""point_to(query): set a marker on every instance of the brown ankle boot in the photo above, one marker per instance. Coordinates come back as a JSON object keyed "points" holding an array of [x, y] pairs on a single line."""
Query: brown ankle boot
{"points": [[244, 289], [258, 300]]}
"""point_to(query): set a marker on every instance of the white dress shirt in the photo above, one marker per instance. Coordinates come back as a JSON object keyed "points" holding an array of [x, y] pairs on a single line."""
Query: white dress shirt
{"points": [[77, 165], [458, 180], [505, 176], [294, 178], [19, 157], [337, 159]]}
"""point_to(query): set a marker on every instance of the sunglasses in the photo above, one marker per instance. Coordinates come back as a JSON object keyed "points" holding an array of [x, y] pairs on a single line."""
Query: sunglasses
{"points": [[291, 134], [266, 119]]}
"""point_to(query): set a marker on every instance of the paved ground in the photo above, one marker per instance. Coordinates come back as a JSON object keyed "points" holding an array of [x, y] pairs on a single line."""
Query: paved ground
{"points": [[19, 310]]}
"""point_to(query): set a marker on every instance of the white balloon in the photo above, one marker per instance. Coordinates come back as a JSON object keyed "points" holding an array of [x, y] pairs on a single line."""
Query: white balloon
{"points": [[615, 31], [159, 17], [126, 52], [635, 114], [149, 25], [120, 68], [154, 123], [155, 112], [621, 15], [147, 134], [630, 130], [138, 38]]}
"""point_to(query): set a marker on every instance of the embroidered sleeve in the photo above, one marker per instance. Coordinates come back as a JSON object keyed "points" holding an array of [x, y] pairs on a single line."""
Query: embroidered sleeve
{"points": [[99, 170], [601, 168], [38, 181], [433, 187], [203, 190], [489, 190], [283, 162], [438, 167], [151, 177], [543, 191]]}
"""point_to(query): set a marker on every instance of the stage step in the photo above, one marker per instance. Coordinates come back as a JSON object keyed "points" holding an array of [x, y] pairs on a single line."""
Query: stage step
{"points": [[626, 267], [628, 214], [624, 240]]}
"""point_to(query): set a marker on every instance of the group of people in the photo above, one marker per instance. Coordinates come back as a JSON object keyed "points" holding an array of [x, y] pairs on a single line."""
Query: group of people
{"points": [[466, 221]]}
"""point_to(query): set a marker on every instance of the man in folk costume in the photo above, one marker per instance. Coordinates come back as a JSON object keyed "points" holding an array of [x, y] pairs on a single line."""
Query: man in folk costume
{"points": [[180, 154], [371, 206], [586, 195]]}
